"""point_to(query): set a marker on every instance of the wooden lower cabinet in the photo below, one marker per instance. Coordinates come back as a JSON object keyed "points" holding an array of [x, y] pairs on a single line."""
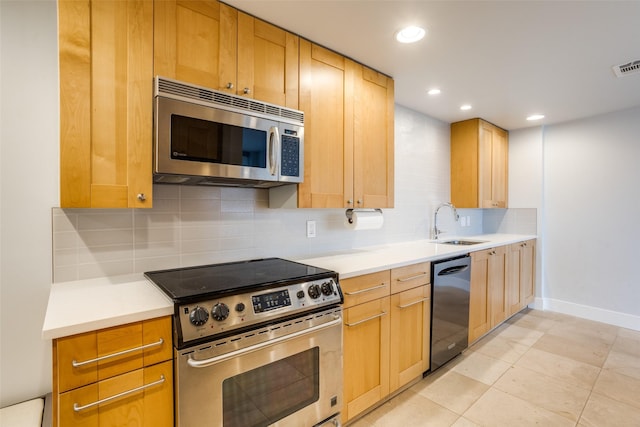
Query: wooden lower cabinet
{"points": [[146, 400], [502, 284], [386, 334], [521, 275], [115, 376], [410, 332], [365, 356]]}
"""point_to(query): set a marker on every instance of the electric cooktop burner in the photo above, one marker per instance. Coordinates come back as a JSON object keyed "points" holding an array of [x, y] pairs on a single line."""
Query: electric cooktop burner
{"points": [[182, 284]]}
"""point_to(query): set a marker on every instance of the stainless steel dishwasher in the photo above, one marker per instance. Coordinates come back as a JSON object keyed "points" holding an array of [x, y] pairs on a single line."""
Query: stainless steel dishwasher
{"points": [[450, 312]]}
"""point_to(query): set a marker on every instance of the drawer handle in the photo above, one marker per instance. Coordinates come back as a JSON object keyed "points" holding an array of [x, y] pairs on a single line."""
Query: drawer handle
{"points": [[120, 353], [414, 303], [367, 319], [366, 290], [79, 408], [407, 279]]}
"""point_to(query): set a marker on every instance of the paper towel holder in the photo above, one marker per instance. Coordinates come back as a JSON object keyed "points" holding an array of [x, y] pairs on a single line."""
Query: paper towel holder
{"points": [[349, 213]]}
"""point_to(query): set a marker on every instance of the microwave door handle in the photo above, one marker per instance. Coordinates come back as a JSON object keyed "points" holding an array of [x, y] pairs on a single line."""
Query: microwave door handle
{"points": [[274, 139]]}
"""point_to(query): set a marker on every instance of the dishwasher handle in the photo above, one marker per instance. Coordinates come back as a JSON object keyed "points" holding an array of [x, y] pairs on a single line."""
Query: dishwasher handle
{"points": [[453, 270]]}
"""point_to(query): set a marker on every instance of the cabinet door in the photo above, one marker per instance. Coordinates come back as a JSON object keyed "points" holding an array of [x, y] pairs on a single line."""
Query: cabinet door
{"points": [[373, 139], [521, 275], [145, 398], [366, 356], [497, 285], [410, 335], [196, 42], [106, 67], [479, 315], [527, 272], [493, 160], [267, 62], [327, 101]]}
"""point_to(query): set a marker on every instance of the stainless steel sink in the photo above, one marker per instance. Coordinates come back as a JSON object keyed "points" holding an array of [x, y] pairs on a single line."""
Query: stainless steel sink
{"points": [[461, 242]]}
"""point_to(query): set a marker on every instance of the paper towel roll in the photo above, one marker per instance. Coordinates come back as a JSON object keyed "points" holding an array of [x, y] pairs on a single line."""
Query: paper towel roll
{"points": [[365, 220]]}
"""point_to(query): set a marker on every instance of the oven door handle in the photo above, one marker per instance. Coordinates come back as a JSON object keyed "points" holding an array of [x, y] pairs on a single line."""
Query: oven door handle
{"points": [[217, 359]]}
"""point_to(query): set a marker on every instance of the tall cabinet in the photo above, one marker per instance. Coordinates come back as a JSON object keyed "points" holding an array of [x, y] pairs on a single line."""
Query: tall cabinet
{"points": [[106, 62], [479, 159]]}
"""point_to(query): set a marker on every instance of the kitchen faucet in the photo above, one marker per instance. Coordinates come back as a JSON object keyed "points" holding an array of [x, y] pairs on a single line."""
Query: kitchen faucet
{"points": [[435, 231]]}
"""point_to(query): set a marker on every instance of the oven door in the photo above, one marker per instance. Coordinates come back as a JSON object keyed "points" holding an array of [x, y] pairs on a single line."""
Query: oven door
{"points": [[286, 374]]}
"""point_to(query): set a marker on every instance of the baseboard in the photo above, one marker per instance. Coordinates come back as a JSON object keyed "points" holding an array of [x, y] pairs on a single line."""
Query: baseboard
{"points": [[616, 318]]}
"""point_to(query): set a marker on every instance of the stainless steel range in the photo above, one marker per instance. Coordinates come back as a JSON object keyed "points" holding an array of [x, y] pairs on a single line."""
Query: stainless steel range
{"points": [[257, 343]]}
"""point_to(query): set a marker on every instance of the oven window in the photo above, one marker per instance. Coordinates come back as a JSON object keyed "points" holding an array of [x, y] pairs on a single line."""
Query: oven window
{"points": [[269, 393], [206, 141]]}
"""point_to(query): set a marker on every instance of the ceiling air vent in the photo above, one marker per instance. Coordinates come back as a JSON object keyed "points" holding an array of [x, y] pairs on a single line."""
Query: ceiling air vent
{"points": [[626, 69]]}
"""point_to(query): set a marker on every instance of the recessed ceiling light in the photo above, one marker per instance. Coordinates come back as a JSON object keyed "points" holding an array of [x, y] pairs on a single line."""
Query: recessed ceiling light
{"points": [[434, 92], [535, 117], [465, 107], [410, 34]]}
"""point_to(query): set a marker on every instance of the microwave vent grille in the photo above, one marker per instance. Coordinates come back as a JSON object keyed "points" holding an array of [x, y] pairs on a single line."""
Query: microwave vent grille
{"points": [[221, 99]]}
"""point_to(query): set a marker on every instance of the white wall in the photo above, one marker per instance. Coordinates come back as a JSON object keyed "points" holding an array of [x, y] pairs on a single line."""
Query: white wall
{"points": [[28, 190], [591, 212]]}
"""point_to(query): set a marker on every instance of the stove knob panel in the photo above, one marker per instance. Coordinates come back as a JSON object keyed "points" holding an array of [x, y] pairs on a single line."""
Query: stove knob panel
{"points": [[220, 311], [198, 316], [327, 288], [314, 291]]}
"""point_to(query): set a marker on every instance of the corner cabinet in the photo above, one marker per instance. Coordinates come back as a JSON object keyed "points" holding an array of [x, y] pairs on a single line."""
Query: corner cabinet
{"points": [[211, 44], [349, 148], [521, 275], [479, 161], [115, 376], [106, 67]]}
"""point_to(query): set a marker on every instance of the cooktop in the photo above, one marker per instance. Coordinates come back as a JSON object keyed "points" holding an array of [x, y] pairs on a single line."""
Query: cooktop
{"points": [[189, 283]]}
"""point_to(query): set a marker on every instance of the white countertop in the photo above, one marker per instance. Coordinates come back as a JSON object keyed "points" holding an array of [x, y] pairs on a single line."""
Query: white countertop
{"points": [[87, 305], [358, 261]]}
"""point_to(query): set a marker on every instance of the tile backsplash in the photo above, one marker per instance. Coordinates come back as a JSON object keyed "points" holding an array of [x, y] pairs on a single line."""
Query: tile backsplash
{"points": [[201, 225]]}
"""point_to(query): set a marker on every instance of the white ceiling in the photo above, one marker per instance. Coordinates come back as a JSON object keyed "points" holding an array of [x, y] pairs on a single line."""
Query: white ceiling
{"points": [[508, 59]]}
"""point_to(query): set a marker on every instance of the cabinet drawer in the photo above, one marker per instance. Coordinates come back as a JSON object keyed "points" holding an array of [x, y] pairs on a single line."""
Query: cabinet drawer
{"points": [[93, 356], [411, 276], [143, 397], [365, 288]]}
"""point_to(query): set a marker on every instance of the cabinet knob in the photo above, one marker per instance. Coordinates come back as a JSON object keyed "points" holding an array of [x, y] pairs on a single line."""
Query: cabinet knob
{"points": [[246, 91], [349, 202], [142, 197], [359, 202], [229, 85]]}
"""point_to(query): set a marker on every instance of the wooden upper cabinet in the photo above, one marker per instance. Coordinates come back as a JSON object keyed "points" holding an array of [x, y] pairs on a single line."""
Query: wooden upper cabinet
{"points": [[106, 65], [196, 42], [348, 132], [325, 97], [479, 164], [211, 44], [373, 139], [267, 62]]}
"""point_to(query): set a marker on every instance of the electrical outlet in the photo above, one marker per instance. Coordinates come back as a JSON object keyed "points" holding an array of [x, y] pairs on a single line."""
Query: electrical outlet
{"points": [[463, 221], [468, 221], [311, 228]]}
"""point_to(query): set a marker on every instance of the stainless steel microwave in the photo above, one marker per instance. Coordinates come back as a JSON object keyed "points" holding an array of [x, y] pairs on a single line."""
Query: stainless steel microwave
{"points": [[204, 136]]}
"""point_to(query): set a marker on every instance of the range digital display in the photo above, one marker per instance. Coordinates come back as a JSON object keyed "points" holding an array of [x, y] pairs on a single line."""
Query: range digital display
{"points": [[270, 301]]}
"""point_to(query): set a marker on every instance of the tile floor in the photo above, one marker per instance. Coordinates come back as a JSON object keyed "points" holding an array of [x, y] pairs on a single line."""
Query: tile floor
{"points": [[538, 368]]}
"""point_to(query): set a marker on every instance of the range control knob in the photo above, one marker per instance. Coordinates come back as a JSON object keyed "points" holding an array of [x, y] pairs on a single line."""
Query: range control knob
{"points": [[198, 316], [314, 291], [240, 307], [327, 288], [220, 311], [300, 294]]}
